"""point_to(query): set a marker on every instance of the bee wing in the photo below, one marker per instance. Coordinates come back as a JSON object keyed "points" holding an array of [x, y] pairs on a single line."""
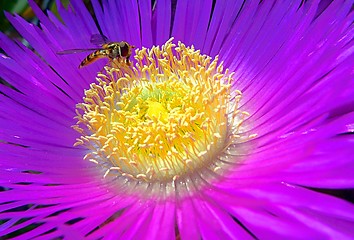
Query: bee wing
{"points": [[71, 51], [98, 39]]}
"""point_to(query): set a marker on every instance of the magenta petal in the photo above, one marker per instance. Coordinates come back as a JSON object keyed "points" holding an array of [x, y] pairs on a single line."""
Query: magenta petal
{"points": [[283, 209], [187, 220], [146, 23], [162, 224], [216, 223], [161, 21]]}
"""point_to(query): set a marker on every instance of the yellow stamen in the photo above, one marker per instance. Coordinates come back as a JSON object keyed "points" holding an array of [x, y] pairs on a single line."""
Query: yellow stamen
{"points": [[166, 118]]}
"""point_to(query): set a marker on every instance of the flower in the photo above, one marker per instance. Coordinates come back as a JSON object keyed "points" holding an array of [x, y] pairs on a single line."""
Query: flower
{"points": [[270, 135]]}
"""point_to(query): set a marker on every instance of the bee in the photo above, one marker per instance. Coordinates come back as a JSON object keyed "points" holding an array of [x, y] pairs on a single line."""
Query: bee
{"points": [[110, 50]]}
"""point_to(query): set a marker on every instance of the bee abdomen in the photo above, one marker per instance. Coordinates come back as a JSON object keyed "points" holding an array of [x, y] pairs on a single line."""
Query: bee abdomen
{"points": [[93, 57]]}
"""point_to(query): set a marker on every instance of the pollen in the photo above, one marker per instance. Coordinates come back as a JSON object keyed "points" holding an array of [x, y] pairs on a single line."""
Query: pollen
{"points": [[169, 116]]}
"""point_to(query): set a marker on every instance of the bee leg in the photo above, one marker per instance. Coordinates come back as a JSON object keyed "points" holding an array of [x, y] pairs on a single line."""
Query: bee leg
{"points": [[127, 60], [115, 62], [111, 62]]}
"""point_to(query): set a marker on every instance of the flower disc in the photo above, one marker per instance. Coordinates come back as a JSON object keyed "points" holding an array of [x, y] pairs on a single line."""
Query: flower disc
{"points": [[169, 117]]}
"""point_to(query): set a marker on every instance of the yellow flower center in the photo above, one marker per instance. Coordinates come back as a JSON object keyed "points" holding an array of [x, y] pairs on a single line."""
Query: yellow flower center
{"points": [[168, 117]]}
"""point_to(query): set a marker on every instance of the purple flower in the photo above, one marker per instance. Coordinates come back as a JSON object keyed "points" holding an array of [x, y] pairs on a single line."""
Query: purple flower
{"points": [[175, 146]]}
